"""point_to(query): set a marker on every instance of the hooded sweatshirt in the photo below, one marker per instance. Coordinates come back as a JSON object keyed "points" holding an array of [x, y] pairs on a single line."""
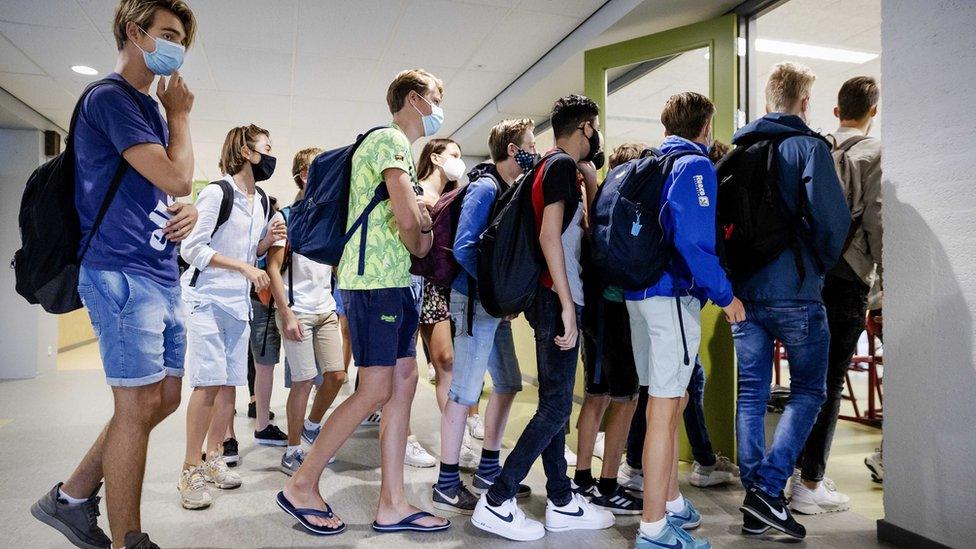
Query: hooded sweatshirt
{"points": [[807, 162], [688, 219]]}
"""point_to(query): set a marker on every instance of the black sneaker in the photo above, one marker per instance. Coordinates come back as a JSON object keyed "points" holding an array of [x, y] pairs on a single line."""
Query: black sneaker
{"points": [[480, 485], [139, 540], [752, 526], [78, 523], [456, 500], [618, 502], [252, 412], [271, 436], [773, 512], [588, 491], [231, 457]]}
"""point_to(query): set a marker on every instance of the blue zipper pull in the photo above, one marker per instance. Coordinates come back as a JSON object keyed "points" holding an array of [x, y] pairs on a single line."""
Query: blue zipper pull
{"points": [[635, 229]]}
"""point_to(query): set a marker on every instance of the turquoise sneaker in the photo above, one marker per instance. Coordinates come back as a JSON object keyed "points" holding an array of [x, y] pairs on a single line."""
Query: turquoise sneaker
{"points": [[672, 537], [689, 518]]}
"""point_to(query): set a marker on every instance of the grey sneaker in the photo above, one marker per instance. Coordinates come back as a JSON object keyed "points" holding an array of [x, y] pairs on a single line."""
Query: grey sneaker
{"points": [[139, 540], [292, 462], [78, 523], [457, 500], [480, 485], [193, 489]]}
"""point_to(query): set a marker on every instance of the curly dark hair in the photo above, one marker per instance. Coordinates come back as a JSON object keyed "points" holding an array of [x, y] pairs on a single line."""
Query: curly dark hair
{"points": [[570, 111]]}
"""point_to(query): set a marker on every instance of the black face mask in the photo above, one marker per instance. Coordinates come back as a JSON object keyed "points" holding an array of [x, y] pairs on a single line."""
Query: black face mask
{"points": [[596, 152], [264, 168]]}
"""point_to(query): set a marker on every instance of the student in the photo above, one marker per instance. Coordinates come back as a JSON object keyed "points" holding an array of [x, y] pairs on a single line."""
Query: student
{"points": [[557, 202], [216, 290], [310, 329], [486, 345], [382, 316], [134, 250], [610, 382], [665, 319], [846, 286], [783, 303]]}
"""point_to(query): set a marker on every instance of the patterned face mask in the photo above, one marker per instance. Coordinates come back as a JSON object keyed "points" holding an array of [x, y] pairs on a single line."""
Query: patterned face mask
{"points": [[526, 160]]}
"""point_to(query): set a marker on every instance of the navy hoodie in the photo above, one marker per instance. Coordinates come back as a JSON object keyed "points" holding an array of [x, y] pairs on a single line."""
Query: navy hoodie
{"points": [[807, 161]]}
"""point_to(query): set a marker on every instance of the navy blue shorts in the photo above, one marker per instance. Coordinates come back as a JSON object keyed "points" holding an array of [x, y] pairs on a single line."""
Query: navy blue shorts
{"points": [[382, 325]]}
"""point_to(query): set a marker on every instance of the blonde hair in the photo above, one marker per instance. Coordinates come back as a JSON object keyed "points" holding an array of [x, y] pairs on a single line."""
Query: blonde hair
{"points": [[303, 159], [625, 153], [788, 84], [508, 131], [231, 159], [417, 80], [142, 12]]}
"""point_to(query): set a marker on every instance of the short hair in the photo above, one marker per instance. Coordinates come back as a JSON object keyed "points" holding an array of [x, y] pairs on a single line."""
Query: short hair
{"points": [[425, 166], [686, 114], [231, 159], [788, 83], [625, 153], [303, 159], [143, 12], [417, 80], [718, 151], [857, 96], [512, 130], [569, 112]]}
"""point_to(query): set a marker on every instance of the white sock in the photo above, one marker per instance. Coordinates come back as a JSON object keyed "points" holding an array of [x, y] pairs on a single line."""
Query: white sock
{"points": [[310, 425], [653, 529], [292, 449], [676, 505], [69, 499]]}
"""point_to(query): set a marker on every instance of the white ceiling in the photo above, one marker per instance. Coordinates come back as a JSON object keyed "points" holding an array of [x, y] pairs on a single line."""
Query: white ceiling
{"points": [[313, 72]]}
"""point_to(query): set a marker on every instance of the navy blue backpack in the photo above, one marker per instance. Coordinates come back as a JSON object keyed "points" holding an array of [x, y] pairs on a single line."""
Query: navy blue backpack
{"points": [[317, 224], [628, 242]]}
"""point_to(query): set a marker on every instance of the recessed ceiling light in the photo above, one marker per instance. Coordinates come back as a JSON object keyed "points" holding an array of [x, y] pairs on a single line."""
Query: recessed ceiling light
{"points": [[84, 69], [814, 52]]}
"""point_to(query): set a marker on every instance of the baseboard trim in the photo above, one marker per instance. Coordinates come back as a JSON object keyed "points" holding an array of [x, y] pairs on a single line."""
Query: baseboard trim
{"points": [[896, 535], [78, 344]]}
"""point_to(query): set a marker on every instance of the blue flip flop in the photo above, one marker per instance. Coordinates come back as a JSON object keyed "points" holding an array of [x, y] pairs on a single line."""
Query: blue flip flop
{"points": [[409, 525], [299, 514]]}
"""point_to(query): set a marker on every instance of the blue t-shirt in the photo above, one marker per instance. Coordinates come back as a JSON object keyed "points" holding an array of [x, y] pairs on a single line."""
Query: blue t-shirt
{"points": [[130, 238]]}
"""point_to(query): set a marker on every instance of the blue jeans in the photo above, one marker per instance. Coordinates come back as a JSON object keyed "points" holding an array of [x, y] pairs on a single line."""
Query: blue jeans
{"points": [[695, 428], [802, 327], [545, 433], [490, 349]]}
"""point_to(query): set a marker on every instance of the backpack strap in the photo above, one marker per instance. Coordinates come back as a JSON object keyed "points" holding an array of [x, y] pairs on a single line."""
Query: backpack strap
{"points": [[223, 214], [379, 195], [848, 143]]}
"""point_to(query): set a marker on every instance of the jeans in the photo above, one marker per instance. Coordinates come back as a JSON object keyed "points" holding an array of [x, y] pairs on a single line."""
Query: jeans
{"points": [[545, 433], [802, 328], [694, 417], [846, 303], [490, 349]]}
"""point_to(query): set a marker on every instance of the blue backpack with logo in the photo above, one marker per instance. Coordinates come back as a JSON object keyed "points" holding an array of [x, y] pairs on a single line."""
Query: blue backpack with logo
{"points": [[317, 224], [629, 247]]}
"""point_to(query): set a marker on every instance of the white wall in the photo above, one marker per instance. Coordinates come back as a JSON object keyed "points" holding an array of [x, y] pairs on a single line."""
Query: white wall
{"points": [[928, 77], [28, 335]]}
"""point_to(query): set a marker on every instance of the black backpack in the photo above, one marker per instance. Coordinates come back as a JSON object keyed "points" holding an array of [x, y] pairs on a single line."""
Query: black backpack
{"points": [[47, 264], [510, 261], [223, 214], [628, 243], [754, 222]]}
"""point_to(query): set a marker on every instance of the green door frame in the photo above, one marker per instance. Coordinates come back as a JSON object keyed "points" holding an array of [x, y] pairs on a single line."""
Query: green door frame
{"points": [[719, 35]]}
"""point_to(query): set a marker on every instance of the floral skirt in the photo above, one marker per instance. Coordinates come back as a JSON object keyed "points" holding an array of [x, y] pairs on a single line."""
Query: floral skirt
{"points": [[436, 306]]}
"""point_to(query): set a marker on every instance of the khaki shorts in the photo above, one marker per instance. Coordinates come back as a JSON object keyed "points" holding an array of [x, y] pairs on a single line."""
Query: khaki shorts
{"points": [[321, 346], [659, 352]]}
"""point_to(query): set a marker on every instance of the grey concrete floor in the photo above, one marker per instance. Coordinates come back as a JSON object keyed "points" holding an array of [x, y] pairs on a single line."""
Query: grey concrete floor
{"points": [[47, 423]]}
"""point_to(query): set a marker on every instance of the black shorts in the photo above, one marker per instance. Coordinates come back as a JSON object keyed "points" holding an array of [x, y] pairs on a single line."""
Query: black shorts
{"points": [[608, 357]]}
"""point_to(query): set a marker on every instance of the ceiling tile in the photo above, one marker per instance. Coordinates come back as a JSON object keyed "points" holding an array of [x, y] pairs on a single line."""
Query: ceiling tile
{"points": [[255, 24], [268, 111], [529, 36], [318, 75], [40, 92], [472, 89], [250, 70], [573, 8], [14, 60], [323, 114], [49, 13], [347, 29], [55, 51], [437, 32]]}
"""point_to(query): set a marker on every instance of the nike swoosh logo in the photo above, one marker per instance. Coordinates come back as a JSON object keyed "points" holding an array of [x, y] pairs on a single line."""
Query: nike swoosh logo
{"points": [[675, 545], [452, 501], [509, 518], [781, 515], [578, 513]]}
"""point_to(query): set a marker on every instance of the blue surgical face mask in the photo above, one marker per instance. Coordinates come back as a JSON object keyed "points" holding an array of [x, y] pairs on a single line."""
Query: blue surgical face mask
{"points": [[167, 57], [432, 121]]}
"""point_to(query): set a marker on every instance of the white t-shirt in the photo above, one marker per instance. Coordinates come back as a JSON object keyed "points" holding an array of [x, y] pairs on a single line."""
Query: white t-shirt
{"points": [[312, 280]]}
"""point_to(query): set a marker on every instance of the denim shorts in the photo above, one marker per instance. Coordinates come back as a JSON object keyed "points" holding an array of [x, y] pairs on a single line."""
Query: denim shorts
{"points": [[382, 325], [490, 349], [265, 338], [216, 346], [139, 324]]}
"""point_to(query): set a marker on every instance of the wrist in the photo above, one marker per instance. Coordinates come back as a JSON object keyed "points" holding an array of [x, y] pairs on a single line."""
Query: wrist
{"points": [[178, 117]]}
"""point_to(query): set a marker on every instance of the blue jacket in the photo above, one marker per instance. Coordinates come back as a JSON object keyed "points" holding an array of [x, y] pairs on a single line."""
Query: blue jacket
{"points": [[476, 208], [806, 161], [688, 219]]}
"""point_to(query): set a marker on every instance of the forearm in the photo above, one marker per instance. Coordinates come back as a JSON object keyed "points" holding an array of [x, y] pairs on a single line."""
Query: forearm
{"points": [[264, 245], [219, 261], [278, 286], [552, 250], [180, 153]]}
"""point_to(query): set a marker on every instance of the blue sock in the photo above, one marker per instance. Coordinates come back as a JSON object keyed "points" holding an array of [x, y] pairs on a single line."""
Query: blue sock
{"points": [[449, 477], [488, 467]]}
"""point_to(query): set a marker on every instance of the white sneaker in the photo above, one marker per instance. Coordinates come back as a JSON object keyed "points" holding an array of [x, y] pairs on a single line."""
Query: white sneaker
{"points": [[469, 458], [431, 374], [216, 472], [630, 478], [578, 514], [507, 520], [476, 427], [599, 444], [372, 419], [875, 464], [721, 472], [416, 455], [570, 457], [824, 499]]}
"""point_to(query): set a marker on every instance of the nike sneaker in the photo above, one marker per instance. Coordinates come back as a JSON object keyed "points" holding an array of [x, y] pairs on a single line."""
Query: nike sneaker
{"points": [[772, 511], [506, 520], [578, 514], [456, 500]]}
